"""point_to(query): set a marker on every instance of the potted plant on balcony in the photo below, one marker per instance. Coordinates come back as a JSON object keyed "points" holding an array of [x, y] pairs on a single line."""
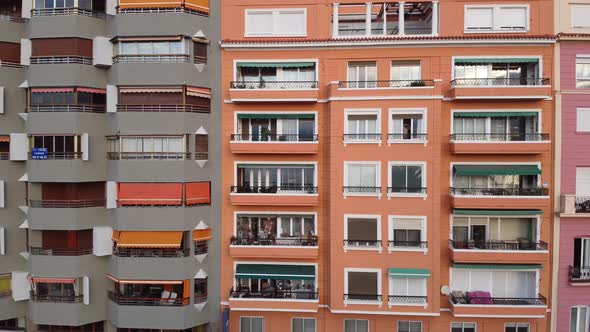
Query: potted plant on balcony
{"points": [[417, 84]]}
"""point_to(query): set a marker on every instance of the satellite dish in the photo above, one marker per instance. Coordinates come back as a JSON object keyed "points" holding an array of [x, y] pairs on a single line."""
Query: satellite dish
{"points": [[445, 290]]}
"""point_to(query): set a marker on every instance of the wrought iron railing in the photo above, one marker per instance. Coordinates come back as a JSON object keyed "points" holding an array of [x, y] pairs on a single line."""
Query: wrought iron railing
{"points": [[68, 108], [11, 17], [579, 274], [161, 10], [4, 155], [274, 138], [361, 137], [500, 191], [149, 252], [58, 60], [40, 251], [362, 243], [152, 58], [582, 204], [67, 12], [408, 244], [66, 203], [385, 84], [286, 85], [164, 108], [147, 301], [363, 297], [524, 245], [406, 190], [478, 300], [274, 294], [501, 137], [361, 190], [520, 81], [409, 136], [56, 298], [148, 155], [295, 188], [274, 241], [58, 156], [408, 299]]}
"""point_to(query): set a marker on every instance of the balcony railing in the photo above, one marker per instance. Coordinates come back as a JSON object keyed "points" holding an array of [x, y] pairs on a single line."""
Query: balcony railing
{"points": [[148, 252], [4, 155], [152, 58], [67, 12], [524, 81], [58, 60], [148, 155], [361, 137], [499, 245], [408, 244], [406, 190], [11, 17], [283, 189], [159, 10], [59, 156], [361, 190], [66, 203], [56, 298], [296, 241], [68, 108], [501, 137], [284, 85], [274, 138], [200, 247], [582, 204], [9, 64], [362, 297], [147, 301], [500, 191], [579, 274], [498, 300], [363, 243], [275, 294], [40, 251], [164, 108], [407, 137], [385, 84], [408, 299]]}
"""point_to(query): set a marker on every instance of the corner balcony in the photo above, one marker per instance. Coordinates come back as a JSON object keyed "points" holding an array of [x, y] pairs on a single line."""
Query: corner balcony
{"points": [[499, 198], [286, 195], [504, 252], [68, 11], [292, 247], [473, 304], [572, 206], [274, 144], [67, 108], [58, 309], [501, 88], [274, 91], [50, 214], [579, 275], [500, 143], [347, 90]]}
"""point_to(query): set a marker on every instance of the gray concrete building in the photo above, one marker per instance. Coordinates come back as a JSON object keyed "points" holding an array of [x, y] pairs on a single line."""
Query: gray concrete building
{"points": [[110, 128]]}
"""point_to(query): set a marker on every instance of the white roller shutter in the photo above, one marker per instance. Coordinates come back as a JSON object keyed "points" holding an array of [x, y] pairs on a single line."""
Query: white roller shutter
{"points": [[581, 16], [84, 143], [2, 242], [102, 242], [86, 290], [479, 18], [1, 100], [512, 18], [25, 52], [111, 194], [27, 6], [19, 147], [111, 7], [259, 23], [20, 286], [460, 279], [102, 50], [415, 224], [582, 181], [2, 195], [112, 98]]}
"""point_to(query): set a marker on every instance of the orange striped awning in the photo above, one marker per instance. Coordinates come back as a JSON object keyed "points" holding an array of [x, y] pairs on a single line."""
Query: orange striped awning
{"points": [[150, 4], [54, 280], [4, 139], [202, 234], [116, 235], [149, 239]]}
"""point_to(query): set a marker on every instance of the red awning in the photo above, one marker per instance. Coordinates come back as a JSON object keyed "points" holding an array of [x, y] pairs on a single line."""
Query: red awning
{"points": [[151, 90], [198, 193], [51, 90], [93, 90], [198, 92], [4, 139], [54, 280], [150, 194]]}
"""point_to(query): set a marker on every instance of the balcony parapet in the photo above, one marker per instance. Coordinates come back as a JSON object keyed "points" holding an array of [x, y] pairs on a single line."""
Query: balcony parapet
{"points": [[574, 206]]}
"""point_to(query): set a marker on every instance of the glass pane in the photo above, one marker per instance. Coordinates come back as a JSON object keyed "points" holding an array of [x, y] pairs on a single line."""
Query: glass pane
{"points": [[161, 48], [349, 325], [362, 326], [146, 48], [398, 177], [309, 325], [297, 325], [414, 177], [257, 324], [245, 324]]}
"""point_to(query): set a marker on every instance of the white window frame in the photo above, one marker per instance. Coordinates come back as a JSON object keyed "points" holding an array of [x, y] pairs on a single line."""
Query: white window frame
{"points": [[376, 164], [367, 270], [463, 325], [394, 63], [422, 164], [537, 235], [367, 111], [424, 287], [278, 164], [423, 232], [403, 111], [410, 321], [377, 218], [573, 8], [585, 57], [276, 19], [488, 121], [304, 319], [496, 12], [250, 317], [586, 324], [528, 325], [467, 288], [355, 320]]}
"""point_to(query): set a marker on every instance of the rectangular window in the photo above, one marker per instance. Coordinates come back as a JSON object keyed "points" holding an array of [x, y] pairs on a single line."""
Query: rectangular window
{"points": [[170, 47], [362, 126], [251, 324], [276, 22], [407, 126], [407, 232], [579, 319], [362, 232], [407, 326], [463, 327], [201, 146], [583, 181], [200, 47], [407, 287], [580, 14], [365, 176], [407, 179], [303, 325], [200, 291], [405, 70], [517, 327], [496, 18], [356, 325], [362, 75], [583, 119], [583, 72]]}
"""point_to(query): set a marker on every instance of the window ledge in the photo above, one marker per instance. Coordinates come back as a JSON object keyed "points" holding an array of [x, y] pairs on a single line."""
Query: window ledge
{"points": [[376, 302], [405, 304], [495, 31], [400, 249], [407, 141], [362, 248], [390, 195], [499, 142], [364, 141], [378, 195]]}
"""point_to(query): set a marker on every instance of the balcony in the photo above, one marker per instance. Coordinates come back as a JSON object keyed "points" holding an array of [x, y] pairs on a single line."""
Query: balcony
{"points": [[41, 251], [148, 155], [61, 60], [407, 300], [67, 204], [505, 252], [574, 206], [359, 89], [9, 16], [274, 144], [295, 247], [56, 298], [71, 11], [195, 7], [67, 108], [500, 143], [286, 195], [151, 252], [361, 191], [579, 275], [188, 108], [147, 301], [151, 58], [499, 198], [407, 245], [482, 304]]}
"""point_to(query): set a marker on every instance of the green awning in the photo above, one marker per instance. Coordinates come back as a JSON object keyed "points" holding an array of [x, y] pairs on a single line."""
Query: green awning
{"points": [[496, 60], [487, 170], [276, 272], [492, 114], [498, 266], [276, 116], [408, 273], [462, 212], [276, 64]]}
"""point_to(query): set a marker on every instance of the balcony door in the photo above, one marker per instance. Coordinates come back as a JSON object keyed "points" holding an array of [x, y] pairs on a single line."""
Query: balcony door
{"points": [[261, 129], [362, 74], [582, 256]]}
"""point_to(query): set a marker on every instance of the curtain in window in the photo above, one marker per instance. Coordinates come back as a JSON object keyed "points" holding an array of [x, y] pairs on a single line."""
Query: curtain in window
{"points": [[362, 176], [290, 129]]}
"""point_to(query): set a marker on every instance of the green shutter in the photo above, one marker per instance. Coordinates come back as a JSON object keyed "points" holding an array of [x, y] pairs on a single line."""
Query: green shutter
{"points": [[408, 273], [462, 212], [276, 272], [276, 64], [498, 266], [276, 116], [488, 170], [496, 60], [492, 114]]}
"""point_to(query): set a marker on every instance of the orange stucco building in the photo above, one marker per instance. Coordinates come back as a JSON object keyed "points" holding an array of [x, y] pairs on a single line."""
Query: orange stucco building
{"points": [[387, 165]]}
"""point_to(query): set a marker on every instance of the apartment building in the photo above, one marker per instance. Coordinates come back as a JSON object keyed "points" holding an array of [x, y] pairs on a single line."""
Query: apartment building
{"points": [[109, 124], [387, 166], [572, 176]]}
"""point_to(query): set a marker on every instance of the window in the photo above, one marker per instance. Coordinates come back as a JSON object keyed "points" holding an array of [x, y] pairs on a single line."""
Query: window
{"points": [[362, 231], [200, 50], [496, 18], [580, 14], [5, 284], [583, 72], [287, 75], [463, 327], [407, 179], [362, 75], [356, 325], [583, 119], [58, 146], [583, 181], [403, 288], [137, 50], [274, 179], [200, 291], [579, 319], [48, 4], [495, 126], [362, 125], [362, 178], [407, 125], [407, 232], [517, 327], [201, 146], [251, 324], [277, 22], [303, 325], [406, 326], [147, 147], [405, 71]]}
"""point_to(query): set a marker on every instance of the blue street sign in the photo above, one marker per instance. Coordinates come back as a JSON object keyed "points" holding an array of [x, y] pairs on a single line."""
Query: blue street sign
{"points": [[39, 153]]}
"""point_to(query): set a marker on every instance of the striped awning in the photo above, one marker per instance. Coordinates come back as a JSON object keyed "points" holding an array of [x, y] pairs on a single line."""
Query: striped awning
{"points": [[487, 170], [492, 114], [54, 280], [51, 90], [93, 90], [151, 90], [202, 234], [4, 139], [149, 38], [275, 116], [498, 266], [464, 212], [149, 239], [496, 60], [276, 64], [408, 273], [198, 92]]}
